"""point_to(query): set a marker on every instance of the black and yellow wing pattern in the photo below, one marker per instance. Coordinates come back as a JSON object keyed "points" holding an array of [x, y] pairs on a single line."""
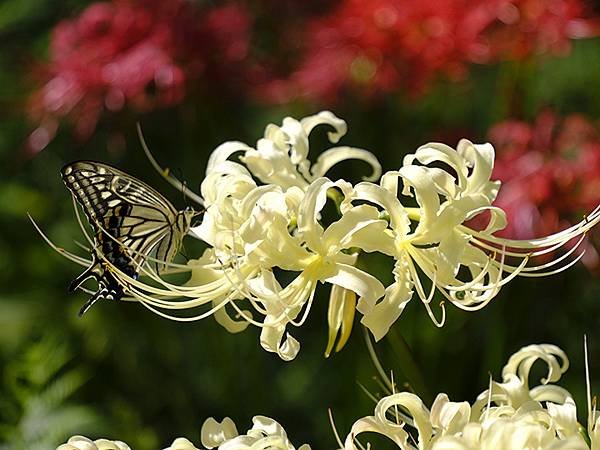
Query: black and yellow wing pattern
{"points": [[130, 221]]}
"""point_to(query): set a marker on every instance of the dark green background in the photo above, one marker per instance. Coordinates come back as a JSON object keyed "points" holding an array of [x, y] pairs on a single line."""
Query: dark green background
{"points": [[124, 373]]}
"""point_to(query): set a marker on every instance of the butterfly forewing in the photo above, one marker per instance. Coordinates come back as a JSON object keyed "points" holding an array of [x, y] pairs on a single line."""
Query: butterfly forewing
{"points": [[130, 221]]}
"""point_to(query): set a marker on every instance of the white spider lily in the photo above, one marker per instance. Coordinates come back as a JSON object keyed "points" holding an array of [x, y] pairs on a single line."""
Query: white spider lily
{"points": [[316, 253], [182, 444], [248, 227], [281, 156], [83, 443], [265, 434], [509, 415], [257, 231], [440, 244]]}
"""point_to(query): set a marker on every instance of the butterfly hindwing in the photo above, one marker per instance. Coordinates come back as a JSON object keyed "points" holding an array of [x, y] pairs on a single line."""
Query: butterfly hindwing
{"points": [[130, 221]]}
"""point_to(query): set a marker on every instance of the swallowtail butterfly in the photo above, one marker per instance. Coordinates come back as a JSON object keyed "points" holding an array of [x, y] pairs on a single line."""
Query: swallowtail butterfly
{"points": [[130, 220]]}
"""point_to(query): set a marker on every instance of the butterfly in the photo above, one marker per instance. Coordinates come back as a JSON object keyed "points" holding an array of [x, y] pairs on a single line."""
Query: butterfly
{"points": [[130, 220]]}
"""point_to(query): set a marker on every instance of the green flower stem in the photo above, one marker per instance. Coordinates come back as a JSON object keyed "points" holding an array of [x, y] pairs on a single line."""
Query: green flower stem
{"points": [[408, 365]]}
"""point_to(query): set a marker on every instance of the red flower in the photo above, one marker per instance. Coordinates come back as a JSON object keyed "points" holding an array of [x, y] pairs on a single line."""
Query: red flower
{"points": [[140, 54], [388, 45], [550, 173]]}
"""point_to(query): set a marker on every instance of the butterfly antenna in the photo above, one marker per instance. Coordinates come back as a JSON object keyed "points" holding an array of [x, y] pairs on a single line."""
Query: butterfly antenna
{"points": [[165, 173], [184, 185], [183, 193]]}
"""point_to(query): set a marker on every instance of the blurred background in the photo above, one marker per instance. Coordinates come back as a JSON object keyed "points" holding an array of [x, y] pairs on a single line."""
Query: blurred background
{"points": [[76, 76]]}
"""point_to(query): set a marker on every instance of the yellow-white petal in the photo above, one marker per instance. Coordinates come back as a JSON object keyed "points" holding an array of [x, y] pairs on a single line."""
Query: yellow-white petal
{"points": [[335, 155], [214, 433], [383, 315]]}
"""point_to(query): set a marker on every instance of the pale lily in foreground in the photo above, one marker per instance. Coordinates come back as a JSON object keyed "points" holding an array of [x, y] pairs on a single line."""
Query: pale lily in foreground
{"points": [[509, 415], [265, 434], [271, 244], [83, 443], [315, 253]]}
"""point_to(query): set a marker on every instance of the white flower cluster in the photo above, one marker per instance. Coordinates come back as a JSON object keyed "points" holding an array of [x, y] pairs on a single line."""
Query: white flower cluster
{"points": [[271, 242], [265, 434], [509, 415], [83, 443]]}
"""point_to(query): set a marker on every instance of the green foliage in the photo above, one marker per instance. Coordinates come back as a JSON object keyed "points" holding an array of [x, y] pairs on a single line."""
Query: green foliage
{"points": [[37, 410]]}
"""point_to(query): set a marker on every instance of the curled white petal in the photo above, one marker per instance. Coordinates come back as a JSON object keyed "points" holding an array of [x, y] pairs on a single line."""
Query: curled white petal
{"points": [[509, 416], [182, 444], [332, 156], [265, 434], [83, 443], [213, 433]]}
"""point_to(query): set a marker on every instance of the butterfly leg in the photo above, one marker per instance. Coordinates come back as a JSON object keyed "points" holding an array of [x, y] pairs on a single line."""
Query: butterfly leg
{"points": [[111, 292], [87, 305], [90, 272]]}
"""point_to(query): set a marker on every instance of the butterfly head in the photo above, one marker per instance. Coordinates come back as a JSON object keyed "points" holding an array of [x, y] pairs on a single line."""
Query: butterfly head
{"points": [[186, 218]]}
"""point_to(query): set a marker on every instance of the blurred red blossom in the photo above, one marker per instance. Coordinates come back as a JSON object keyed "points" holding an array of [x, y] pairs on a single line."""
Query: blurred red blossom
{"points": [[550, 173], [141, 54], [388, 45], [147, 54]]}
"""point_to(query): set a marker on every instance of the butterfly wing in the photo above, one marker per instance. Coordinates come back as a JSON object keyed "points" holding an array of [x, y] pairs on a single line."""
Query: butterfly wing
{"points": [[120, 206], [130, 220]]}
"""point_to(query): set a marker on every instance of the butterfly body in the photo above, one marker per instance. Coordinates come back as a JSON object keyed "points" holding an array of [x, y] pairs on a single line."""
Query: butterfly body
{"points": [[130, 221]]}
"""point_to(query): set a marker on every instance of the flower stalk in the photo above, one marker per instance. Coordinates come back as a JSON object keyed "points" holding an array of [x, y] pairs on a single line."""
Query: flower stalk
{"points": [[408, 365]]}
